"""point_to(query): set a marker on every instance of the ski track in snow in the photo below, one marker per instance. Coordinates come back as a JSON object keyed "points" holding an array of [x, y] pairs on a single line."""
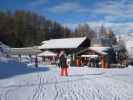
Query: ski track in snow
{"points": [[50, 86]]}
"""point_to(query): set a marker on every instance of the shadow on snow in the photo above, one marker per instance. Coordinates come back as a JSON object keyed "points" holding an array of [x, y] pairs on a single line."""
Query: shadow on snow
{"points": [[11, 68]]}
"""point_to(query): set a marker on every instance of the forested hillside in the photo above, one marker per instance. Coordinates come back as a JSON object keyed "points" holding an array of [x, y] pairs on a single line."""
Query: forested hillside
{"points": [[22, 28], [25, 28]]}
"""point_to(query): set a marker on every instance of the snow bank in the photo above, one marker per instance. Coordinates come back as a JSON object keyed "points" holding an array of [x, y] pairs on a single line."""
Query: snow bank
{"points": [[9, 68]]}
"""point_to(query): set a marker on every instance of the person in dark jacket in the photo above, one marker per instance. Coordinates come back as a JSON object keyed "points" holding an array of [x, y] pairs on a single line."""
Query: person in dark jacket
{"points": [[36, 62], [63, 65]]}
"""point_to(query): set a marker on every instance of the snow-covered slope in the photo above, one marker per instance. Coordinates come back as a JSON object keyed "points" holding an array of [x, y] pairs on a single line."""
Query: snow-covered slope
{"points": [[81, 84]]}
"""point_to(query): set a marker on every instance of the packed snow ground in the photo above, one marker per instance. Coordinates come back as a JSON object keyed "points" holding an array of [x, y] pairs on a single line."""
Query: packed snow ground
{"points": [[19, 82]]}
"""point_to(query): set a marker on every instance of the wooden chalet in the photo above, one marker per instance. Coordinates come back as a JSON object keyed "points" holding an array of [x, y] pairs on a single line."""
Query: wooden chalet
{"points": [[94, 57], [70, 45]]}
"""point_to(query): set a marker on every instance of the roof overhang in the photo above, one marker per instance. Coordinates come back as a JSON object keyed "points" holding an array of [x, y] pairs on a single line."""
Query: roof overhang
{"points": [[24, 51], [47, 54]]}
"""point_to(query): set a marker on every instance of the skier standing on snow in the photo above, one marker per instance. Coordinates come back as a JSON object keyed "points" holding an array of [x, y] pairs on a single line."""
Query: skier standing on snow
{"points": [[63, 64]]}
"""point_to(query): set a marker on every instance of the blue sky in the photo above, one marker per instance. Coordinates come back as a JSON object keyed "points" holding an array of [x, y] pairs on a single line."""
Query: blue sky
{"points": [[115, 14]]}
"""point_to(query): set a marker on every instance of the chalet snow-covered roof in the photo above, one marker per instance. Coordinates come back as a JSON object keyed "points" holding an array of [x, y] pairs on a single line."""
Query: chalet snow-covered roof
{"points": [[100, 50], [47, 53], [4, 47], [62, 43], [25, 51], [43, 42]]}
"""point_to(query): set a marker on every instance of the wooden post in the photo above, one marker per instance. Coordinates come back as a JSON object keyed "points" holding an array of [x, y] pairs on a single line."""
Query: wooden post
{"points": [[19, 58], [102, 61], [78, 62]]}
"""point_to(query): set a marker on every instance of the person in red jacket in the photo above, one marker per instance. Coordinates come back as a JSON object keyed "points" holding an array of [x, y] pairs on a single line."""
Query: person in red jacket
{"points": [[78, 62], [63, 64]]}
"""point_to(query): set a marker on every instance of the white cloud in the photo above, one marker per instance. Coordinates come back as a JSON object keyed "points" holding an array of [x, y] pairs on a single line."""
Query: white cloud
{"points": [[122, 28], [115, 10], [35, 3], [112, 10], [65, 7], [118, 28], [116, 13]]}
